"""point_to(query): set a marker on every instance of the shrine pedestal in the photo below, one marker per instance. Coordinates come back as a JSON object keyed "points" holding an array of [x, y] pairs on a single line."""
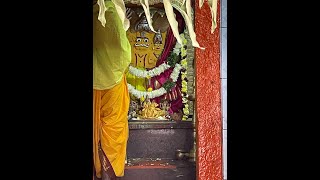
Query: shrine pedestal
{"points": [[159, 139], [152, 147]]}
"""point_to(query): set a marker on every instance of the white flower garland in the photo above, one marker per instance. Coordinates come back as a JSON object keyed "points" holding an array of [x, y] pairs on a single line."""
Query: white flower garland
{"points": [[177, 48], [158, 92], [148, 74]]}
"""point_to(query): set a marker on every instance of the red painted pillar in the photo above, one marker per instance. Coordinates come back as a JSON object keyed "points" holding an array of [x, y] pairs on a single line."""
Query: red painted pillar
{"points": [[208, 96]]}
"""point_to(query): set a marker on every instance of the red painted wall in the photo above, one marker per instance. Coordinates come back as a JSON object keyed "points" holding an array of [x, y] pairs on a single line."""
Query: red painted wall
{"points": [[208, 96]]}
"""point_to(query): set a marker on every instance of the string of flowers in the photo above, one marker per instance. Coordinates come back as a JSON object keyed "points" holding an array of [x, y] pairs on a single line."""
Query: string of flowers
{"points": [[161, 91], [148, 74], [171, 61], [184, 79]]}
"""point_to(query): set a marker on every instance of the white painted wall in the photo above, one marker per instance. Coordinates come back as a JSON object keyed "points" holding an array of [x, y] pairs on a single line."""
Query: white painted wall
{"points": [[223, 46]]}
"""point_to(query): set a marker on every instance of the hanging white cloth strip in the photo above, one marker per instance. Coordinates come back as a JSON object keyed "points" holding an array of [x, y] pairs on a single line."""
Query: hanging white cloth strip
{"points": [[192, 34], [201, 3], [172, 20], [213, 7], [188, 7], [102, 10], [121, 9]]}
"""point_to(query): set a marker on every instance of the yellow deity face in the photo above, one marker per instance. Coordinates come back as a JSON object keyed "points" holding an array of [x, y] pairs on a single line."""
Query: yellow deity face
{"points": [[142, 43], [146, 48]]}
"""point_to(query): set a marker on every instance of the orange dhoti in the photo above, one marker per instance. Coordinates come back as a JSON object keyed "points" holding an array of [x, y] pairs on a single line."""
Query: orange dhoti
{"points": [[110, 127]]}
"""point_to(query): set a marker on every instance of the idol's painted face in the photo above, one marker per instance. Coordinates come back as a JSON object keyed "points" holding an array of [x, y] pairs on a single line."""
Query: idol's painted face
{"points": [[157, 41], [146, 47], [158, 47], [142, 43]]}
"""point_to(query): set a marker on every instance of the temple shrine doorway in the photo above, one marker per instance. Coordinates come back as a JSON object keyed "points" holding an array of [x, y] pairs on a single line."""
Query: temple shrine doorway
{"points": [[175, 110]]}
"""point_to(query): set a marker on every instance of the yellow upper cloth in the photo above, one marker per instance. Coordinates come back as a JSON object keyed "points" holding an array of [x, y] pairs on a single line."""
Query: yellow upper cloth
{"points": [[111, 49]]}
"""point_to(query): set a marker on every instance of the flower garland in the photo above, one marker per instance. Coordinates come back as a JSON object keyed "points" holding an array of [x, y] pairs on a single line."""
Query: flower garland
{"points": [[172, 60], [184, 79], [148, 74], [161, 91]]}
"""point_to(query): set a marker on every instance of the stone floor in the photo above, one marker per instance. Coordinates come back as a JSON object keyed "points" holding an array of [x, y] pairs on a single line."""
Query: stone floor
{"points": [[159, 169]]}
